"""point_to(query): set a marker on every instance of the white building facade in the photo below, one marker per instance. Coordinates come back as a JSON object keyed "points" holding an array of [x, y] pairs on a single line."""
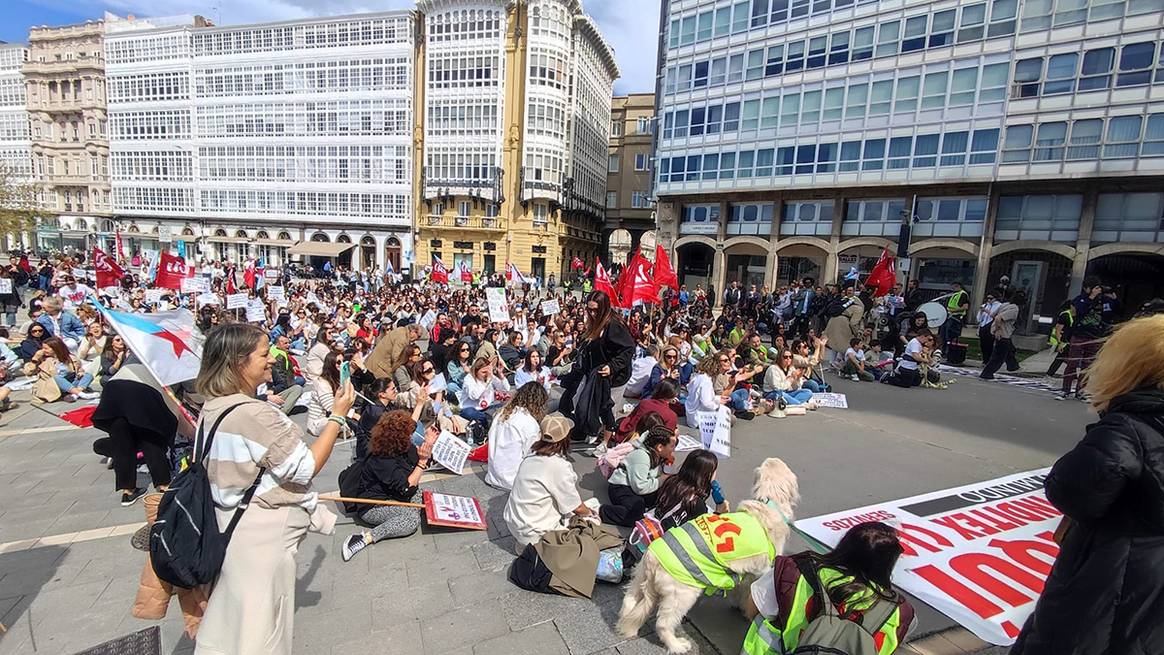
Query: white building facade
{"points": [[1020, 137], [15, 144], [242, 141]]}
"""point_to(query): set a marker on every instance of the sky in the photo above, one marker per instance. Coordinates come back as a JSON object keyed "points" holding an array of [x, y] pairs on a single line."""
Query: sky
{"points": [[629, 26]]}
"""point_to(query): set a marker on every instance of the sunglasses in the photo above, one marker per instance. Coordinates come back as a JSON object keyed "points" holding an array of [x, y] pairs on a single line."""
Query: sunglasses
{"points": [[427, 370]]}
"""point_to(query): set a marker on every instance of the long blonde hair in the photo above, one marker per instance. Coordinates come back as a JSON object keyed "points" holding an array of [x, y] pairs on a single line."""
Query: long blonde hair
{"points": [[1132, 357]]}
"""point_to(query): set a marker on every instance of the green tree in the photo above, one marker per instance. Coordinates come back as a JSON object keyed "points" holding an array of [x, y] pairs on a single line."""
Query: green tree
{"points": [[18, 207]]}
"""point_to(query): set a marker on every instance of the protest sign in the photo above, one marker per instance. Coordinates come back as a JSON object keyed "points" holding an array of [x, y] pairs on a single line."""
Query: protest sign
{"points": [[551, 307], [271, 273], [978, 553], [437, 383], [195, 285], [686, 443], [209, 299], [152, 296], [498, 306], [428, 320], [835, 400], [276, 292], [5, 285], [715, 431], [80, 274], [236, 301], [450, 452], [453, 511], [256, 311]]}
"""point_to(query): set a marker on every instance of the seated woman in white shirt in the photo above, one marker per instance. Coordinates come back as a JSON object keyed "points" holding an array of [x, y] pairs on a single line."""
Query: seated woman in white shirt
{"points": [[532, 370], [545, 488], [513, 433], [479, 390], [323, 390], [701, 395]]}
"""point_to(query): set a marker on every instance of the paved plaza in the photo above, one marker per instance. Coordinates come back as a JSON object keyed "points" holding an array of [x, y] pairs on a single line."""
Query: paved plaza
{"points": [[68, 574]]}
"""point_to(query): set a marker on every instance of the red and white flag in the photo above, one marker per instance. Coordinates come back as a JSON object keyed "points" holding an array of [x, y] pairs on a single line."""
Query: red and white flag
{"points": [[172, 270], [637, 283], [466, 273], [664, 274], [883, 276], [440, 273], [602, 282], [514, 275], [109, 273]]}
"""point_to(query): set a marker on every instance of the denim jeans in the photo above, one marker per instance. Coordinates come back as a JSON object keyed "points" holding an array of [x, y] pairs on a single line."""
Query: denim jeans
{"points": [[483, 417], [798, 397], [739, 400], [814, 386], [81, 382]]}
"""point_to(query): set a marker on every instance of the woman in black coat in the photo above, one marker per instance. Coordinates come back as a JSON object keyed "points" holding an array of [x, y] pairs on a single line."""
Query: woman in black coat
{"points": [[1105, 594], [603, 363]]}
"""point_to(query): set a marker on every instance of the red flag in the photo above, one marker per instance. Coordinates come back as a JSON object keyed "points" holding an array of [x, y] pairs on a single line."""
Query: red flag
{"points": [[576, 263], [640, 286], [883, 276], [439, 272], [602, 283], [466, 274], [664, 274], [249, 274], [117, 240], [25, 265], [171, 271], [109, 274]]}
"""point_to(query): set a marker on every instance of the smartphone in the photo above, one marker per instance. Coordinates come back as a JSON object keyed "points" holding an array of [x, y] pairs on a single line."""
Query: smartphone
{"points": [[345, 373]]}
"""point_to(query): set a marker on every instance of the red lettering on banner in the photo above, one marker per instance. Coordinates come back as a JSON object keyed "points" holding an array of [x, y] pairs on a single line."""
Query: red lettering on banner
{"points": [[1015, 513], [966, 596], [972, 566], [952, 523], [1001, 524], [906, 534], [837, 525], [1037, 504], [1019, 550], [973, 521]]}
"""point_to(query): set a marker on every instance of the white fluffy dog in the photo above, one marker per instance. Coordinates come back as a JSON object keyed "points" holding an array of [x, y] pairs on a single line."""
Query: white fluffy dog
{"points": [[775, 483]]}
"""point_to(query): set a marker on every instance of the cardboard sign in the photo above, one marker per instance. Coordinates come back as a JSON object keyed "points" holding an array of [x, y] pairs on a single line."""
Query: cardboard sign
{"points": [[195, 285], [715, 431], [152, 296], [453, 511], [498, 306], [256, 311], [236, 301], [450, 452], [428, 320], [978, 553], [551, 307], [271, 273], [209, 299], [80, 274], [687, 443], [5, 285], [437, 383], [836, 400], [276, 292]]}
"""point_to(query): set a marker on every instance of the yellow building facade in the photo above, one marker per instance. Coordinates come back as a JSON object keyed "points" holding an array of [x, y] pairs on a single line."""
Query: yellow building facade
{"points": [[512, 125]]}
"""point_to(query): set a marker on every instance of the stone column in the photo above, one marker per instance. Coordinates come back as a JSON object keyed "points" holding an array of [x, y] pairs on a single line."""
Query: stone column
{"points": [[985, 250], [1083, 244]]}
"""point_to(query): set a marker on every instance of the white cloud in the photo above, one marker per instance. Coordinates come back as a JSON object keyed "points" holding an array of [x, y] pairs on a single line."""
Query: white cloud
{"points": [[631, 27]]}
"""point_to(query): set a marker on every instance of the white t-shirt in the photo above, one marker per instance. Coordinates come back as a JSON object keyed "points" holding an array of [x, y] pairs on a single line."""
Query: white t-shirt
{"points": [[509, 443], [914, 350], [75, 295], [544, 490], [858, 355]]}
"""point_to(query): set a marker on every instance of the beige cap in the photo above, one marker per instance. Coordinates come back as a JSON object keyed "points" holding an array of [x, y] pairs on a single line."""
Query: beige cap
{"points": [[556, 427]]}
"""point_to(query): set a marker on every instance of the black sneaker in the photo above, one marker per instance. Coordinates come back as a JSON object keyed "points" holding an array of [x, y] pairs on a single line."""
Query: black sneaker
{"points": [[353, 545], [130, 497], [745, 414]]}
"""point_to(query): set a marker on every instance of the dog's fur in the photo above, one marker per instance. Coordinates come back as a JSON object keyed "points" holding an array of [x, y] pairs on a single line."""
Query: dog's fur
{"points": [[652, 584]]}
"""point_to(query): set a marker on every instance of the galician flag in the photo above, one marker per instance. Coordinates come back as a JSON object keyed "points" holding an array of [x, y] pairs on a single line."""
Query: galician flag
{"points": [[165, 342]]}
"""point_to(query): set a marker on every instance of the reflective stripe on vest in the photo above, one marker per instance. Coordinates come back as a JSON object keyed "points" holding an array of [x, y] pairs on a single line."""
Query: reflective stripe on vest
{"points": [[954, 302], [765, 638], [696, 552]]}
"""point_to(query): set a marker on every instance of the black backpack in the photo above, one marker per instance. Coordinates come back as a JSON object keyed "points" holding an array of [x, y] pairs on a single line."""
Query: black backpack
{"points": [[186, 547], [349, 483], [836, 308]]}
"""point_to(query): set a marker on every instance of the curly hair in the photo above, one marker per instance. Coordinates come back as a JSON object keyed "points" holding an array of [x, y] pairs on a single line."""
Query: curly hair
{"points": [[392, 434], [531, 397]]}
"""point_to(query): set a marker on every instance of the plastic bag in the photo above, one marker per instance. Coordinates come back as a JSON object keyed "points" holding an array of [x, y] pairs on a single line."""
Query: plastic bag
{"points": [[610, 565]]}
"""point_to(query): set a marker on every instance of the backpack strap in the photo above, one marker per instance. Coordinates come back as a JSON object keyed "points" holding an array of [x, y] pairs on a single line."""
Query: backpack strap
{"points": [[812, 577], [872, 619], [199, 438], [877, 615]]}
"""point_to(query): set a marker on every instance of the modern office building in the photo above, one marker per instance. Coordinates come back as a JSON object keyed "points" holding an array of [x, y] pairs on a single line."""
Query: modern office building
{"points": [[628, 181], [513, 135], [1020, 137], [64, 76], [267, 140]]}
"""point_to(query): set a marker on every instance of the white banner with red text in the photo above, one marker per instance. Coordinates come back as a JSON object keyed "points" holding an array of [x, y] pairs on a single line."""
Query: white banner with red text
{"points": [[979, 553]]}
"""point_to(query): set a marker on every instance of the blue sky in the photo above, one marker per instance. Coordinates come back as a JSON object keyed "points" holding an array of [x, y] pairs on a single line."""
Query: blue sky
{"points": [[630, 26]]}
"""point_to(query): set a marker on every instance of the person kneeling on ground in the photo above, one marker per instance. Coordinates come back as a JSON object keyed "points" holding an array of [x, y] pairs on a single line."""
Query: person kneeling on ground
{"points": [[683, 496], [391, 472], [907, 373], [545, 488], [635, 483], [855, 578]]}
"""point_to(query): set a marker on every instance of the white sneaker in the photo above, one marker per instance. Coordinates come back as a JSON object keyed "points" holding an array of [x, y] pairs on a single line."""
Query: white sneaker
{"points": [[854, 378], [88, 395], [811, 404], [776, 413]]}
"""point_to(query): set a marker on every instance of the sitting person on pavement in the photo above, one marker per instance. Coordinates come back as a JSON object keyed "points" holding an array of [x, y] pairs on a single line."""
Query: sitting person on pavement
{"points": [[545, 488], [532, 370], [854, 362], [635, 483], [514, 431], [392, 472], [783, 380], [662, 403]]}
